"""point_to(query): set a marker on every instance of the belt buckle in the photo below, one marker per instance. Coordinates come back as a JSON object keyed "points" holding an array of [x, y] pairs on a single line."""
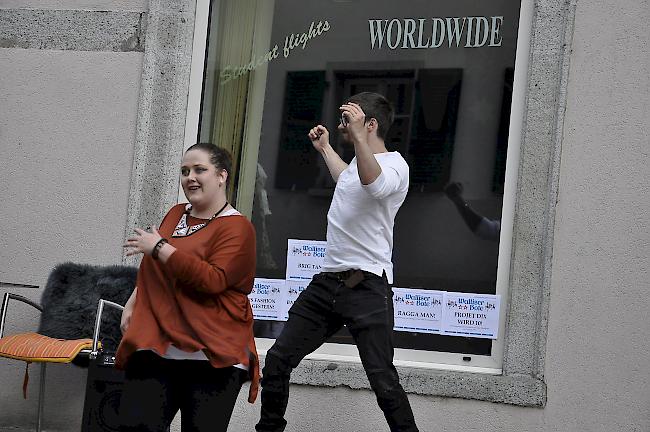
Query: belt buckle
{"points": [[351, 278], [342, 275]]}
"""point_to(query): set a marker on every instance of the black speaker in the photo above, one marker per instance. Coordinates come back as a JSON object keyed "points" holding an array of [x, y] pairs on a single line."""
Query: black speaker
{"points": [[103, 394]]}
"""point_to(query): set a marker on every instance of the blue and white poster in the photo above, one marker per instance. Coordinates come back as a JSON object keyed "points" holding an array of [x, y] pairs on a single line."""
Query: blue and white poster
{"points": [[293, 290], [305, 258], [267, 299], [417, 310], [473, 315]]}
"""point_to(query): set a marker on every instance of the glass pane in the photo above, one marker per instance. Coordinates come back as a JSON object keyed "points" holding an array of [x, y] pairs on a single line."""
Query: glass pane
{"points": [[447, 67]]}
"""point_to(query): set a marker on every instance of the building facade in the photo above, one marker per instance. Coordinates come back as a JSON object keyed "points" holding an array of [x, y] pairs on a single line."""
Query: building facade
{"points": [[539, 108]]}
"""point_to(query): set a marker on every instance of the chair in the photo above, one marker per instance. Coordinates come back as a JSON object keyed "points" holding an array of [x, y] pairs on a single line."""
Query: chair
{"points": [[72, 308]]}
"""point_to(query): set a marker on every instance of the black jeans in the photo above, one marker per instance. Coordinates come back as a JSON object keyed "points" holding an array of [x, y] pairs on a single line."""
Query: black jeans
{"points": [[319, 312], [156, 388]]}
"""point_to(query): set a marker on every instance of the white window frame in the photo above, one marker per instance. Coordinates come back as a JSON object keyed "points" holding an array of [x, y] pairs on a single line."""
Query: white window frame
{"points": [[407, 357]]}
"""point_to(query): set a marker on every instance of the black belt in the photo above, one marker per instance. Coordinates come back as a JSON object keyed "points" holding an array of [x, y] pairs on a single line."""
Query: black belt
{"points": [[350, 278]]}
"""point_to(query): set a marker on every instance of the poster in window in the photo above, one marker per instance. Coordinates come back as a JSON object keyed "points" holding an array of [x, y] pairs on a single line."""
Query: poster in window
{"points": [[293, 288], [267, 298], [304, 258], [417, 310], [472, 315]]}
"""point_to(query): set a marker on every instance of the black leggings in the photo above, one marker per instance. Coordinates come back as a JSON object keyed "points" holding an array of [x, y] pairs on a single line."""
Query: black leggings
{"points": [[156, 388]]}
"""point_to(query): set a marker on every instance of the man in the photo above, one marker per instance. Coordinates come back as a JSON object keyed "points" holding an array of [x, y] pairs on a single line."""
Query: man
{"points": [[354, 287]]}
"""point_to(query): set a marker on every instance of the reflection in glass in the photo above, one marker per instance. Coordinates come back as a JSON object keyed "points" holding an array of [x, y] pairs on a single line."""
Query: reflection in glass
{"points": [[266, 85]]}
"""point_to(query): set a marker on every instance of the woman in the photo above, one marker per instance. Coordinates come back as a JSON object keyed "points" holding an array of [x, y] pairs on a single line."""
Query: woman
{"points": [[188, 326]]}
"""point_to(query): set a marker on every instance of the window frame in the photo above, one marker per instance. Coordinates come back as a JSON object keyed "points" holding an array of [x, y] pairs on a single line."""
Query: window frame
{"points": [[490, 364], [162, 117]]}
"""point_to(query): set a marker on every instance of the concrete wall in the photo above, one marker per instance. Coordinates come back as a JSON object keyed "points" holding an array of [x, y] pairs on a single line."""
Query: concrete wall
{"points": [[597, 328], [103, 5], [67, 131]]}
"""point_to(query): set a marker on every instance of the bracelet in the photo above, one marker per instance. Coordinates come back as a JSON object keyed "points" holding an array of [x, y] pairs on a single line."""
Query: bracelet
{"points": [[157, 247]]}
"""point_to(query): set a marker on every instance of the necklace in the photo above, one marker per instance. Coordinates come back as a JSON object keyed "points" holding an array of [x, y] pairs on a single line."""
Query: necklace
{"points": [[184, 230]]}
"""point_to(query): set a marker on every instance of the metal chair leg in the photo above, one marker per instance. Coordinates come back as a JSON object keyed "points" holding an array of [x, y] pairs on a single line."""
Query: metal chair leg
{"points": [[41, 398]]}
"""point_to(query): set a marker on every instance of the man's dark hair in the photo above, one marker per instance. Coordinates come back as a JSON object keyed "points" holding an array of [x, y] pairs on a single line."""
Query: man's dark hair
{"points": [[219, 157], [378, 107]]}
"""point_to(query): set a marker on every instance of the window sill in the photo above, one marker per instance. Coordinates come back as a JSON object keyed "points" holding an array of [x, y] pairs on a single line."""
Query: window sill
{"points": [[515, 390]]}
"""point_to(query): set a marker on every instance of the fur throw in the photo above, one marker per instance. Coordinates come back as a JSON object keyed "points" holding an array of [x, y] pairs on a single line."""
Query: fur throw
{"points": [[71, 296]]}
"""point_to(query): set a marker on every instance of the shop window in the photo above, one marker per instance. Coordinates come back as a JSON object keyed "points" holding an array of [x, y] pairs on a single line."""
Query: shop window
{"points": [[274, 69]]}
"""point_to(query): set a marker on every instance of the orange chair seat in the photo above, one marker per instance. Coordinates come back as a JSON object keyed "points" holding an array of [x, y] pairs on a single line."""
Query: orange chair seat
{"points": [[34, 347]]}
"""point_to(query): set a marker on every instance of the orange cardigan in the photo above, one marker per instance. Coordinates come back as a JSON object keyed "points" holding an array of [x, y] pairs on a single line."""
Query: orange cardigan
{"points": [[198, 300]]}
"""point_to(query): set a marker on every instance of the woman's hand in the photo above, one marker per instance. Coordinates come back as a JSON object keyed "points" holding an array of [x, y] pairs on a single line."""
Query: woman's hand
{"points": [[128, 311], [126, 319], [142, 241]]}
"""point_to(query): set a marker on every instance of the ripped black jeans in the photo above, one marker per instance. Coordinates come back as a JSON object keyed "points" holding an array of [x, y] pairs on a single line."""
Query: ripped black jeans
{"points": [[319, 312]]}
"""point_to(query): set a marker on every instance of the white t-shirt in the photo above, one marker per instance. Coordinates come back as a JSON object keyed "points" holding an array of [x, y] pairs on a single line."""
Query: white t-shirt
{"points": [[361, 218]]}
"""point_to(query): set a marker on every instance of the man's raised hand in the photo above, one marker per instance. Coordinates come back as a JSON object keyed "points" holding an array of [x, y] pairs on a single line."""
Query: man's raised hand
{"points": [[319, 137]]}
